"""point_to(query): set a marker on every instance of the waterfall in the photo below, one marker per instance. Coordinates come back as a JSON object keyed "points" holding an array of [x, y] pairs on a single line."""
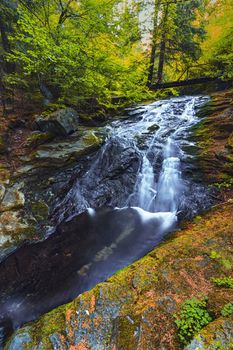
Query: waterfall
{"points": [[123, 200], [140, 164]]}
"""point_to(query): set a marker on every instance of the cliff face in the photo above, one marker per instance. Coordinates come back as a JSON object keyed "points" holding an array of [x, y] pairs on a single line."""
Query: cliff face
{"points": [[136, 308]]}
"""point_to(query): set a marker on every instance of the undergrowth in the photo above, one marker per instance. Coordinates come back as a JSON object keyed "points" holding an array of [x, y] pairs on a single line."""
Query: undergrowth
{"points": [[192, 318]]}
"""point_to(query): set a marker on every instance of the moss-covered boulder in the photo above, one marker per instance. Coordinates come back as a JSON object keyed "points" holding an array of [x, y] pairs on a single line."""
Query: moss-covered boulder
{"points": [[58, 154], [218, 335], [60, 123]]}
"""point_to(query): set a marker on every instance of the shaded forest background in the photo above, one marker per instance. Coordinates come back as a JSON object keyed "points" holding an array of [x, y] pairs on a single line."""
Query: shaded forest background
{"points": [[101, 51]]}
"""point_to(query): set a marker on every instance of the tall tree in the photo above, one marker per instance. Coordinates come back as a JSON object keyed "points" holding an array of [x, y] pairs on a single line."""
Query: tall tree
{"points": [[176, 36], [153, 41], [218, 46]]}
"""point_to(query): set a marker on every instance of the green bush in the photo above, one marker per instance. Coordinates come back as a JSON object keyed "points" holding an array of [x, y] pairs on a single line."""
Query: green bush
{"points": [[192, 318], [227, 309], [226, 282]]}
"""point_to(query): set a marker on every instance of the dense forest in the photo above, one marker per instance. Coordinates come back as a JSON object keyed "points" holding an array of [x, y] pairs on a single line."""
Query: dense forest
{"points": [[74, 52]]}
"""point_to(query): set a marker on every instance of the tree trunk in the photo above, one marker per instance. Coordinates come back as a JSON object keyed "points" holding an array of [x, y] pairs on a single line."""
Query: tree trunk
{"points": [[162, 47], [161, 60], [153, 45], [5, 42], [45, 91], [8, 66]]}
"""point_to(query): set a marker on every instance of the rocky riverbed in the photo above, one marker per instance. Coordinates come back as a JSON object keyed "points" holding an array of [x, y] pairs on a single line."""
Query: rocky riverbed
{"points": [[133, 309]]}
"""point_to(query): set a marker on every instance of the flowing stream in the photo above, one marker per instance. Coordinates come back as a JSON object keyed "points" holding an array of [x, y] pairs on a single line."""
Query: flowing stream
{"points": [[130, 195]]}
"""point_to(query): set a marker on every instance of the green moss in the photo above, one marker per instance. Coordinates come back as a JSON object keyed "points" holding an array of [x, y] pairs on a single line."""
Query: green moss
{"points": [[226, 184], [40, 210], [91, 139], [127, 328], [225, 261], [38, 138], [52, 107], [226, 282], [50, 324]]}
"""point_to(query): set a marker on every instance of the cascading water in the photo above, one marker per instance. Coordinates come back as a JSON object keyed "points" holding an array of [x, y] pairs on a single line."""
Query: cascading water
{"points": [[128, 193], [141, 162]]}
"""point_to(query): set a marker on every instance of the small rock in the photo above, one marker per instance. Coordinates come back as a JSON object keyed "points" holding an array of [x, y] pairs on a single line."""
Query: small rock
{"points": [[153, 128], [60, 123]]}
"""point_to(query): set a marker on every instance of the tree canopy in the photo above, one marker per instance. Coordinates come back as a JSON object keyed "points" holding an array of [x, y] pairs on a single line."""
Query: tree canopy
{"points": [[75, 51]]}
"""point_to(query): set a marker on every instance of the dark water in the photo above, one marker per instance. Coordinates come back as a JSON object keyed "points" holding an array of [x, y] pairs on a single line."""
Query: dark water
{"points": [[139, 182]]}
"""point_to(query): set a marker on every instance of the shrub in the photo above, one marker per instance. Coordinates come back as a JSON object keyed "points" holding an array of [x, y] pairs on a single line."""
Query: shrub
{"points": [[192, 318], [227, 309]]}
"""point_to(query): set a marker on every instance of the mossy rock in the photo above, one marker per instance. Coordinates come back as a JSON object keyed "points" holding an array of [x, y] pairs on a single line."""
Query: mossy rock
{"points": [[38, 138], [218, 335], [40, 210]]}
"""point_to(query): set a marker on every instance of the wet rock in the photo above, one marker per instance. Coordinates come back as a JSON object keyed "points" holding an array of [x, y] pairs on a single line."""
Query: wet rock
{"points": [[153, 128], [40, 210], [14, 229], [19, 342], [13, 199], [60, 154], [37, 138], [60, 123]]}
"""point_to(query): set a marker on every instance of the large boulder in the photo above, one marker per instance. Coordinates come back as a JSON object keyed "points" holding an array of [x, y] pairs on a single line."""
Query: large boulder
{"points": [[59, 123]]}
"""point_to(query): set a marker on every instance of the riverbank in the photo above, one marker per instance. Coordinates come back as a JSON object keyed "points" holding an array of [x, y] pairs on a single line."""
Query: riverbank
{"points": [[136, 307]]}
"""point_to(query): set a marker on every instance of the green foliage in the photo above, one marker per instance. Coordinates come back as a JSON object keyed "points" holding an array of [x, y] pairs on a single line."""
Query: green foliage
{"points": [[214, 255], [225, 184], [227, 264], [192, 318], [91, 54], [226, 282], [91, 51], [227, 309], [177, 34], [218, 48]]}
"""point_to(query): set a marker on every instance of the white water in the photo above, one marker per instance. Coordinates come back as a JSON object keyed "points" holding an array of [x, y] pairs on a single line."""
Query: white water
{"points": [[155, 134]]}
